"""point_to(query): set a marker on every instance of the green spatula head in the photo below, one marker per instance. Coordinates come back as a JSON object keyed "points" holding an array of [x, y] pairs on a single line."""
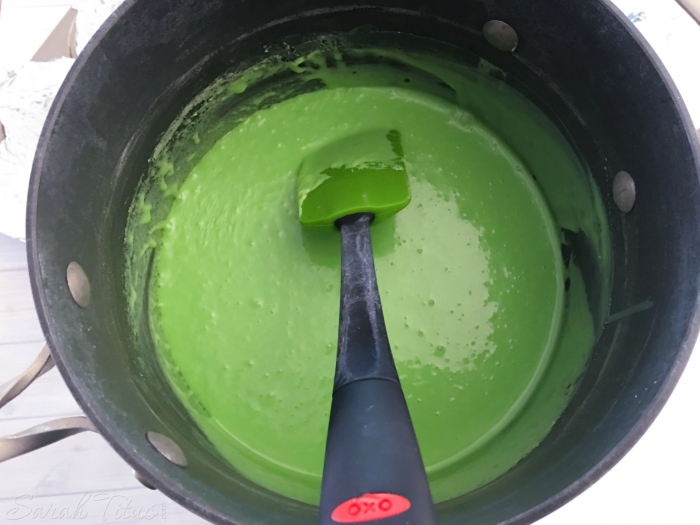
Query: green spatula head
{"points": [[364, 173]]}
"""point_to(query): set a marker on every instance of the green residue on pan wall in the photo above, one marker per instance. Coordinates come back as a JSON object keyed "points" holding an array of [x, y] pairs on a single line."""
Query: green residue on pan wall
{"points": [[490, 326], [144, 210]]}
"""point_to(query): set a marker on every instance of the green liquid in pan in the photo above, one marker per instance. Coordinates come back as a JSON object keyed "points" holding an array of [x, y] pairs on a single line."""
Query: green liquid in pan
{"points": [[488, 326]]}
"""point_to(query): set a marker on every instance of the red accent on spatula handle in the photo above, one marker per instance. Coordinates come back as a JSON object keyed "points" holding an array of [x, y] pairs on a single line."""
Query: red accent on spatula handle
{"points": [[370, 507]]}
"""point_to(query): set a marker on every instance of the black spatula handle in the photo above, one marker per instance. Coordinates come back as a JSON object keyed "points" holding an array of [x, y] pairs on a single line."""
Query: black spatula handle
{"points": [[373, 468]]}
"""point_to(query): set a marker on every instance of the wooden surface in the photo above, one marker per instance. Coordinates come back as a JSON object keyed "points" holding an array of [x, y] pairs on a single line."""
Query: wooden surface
{"points": [[78, 480]]}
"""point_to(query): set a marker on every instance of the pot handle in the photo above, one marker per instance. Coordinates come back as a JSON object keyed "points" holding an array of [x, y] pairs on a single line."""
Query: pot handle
{"points": [[41, 435], [46, 433], [42, 364], [692, 7]]}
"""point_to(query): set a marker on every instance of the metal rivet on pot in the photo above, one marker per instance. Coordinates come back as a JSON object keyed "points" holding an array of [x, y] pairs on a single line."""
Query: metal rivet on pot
{"points": [[139, 477], [78, 284], [624, 191], [500, 35], [168, 448]]}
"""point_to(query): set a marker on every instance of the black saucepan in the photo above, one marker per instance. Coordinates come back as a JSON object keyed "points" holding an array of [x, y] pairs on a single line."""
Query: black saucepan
{"points": [[579, 60]]}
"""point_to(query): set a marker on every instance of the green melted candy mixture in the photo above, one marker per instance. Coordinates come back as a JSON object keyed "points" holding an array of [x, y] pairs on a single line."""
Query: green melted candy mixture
{"points": [[489, 326]]}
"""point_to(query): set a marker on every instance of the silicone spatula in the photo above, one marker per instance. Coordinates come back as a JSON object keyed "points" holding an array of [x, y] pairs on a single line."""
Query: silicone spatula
{"points": [[373, 468]]}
